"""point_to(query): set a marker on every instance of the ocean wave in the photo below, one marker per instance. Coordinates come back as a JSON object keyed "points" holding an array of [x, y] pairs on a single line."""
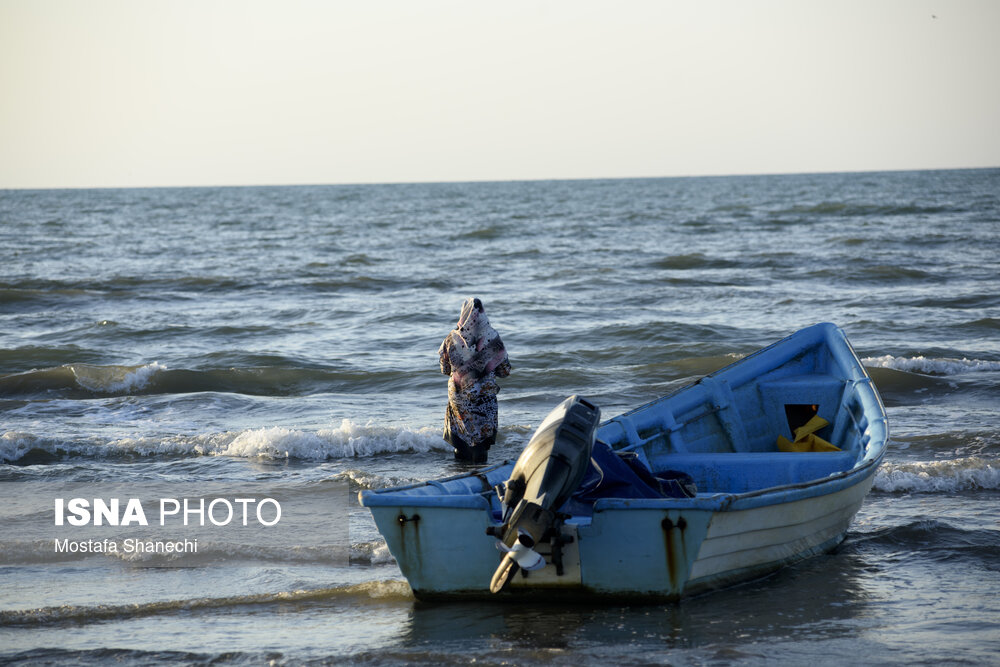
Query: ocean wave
{"points": [[900, 387], [28, 357], [938, 540], [932, 366], [373, 591], [375, 552], [348, 440], [123, 657], [116, 379], [696, 260], [92, 381], [965, 299], [876, 274], [965, 474], [21, 297], [83, 378], [362, 479], [861, 210], [122, 285], [357, 283]]}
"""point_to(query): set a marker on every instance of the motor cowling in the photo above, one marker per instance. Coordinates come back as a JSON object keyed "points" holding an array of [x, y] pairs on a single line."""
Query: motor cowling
{"points": [[546, 473]]}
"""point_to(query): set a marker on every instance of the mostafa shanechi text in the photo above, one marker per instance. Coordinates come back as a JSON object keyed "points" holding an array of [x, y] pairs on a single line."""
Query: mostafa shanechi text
{"points": [[127, 546]]}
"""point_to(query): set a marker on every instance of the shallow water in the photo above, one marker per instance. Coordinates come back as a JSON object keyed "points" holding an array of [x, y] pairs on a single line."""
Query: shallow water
{"points": [[287, 337]]}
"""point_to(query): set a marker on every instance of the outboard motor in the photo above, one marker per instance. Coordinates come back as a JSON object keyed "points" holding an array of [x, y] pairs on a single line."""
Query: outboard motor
{"points": [[549, 469]]}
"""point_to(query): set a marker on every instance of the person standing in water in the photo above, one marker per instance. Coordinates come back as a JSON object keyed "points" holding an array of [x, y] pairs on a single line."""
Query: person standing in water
{"points": [[474, 356]]}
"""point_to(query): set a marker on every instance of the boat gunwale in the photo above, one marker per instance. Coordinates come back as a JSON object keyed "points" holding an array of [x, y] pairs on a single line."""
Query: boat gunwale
{"points": [[397, 496]]}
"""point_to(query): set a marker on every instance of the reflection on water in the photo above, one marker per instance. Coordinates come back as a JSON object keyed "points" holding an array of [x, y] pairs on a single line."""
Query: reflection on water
{"points": [[824, 596]]}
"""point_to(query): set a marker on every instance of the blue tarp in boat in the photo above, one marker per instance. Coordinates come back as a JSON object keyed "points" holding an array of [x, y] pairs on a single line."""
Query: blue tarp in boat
{"points": [[622, 475]]}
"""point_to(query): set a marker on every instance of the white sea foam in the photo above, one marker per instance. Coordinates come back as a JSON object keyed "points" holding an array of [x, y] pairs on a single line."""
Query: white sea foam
{"points": [[965, 474], [392, 588], [943, 366], [349, 440], [369, 480], [373, 553], [14, 445]]}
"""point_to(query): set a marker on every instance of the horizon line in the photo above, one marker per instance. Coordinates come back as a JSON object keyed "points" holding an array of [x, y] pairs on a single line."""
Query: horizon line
{"points": [[495, 180]]}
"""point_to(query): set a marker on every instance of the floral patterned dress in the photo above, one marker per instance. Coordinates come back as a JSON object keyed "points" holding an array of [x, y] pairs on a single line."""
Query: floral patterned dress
{"points": [[474, 356]]}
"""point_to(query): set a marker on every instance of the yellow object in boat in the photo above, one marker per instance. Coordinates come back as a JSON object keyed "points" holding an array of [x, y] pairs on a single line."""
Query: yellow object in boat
{"points": [[806, 439]]}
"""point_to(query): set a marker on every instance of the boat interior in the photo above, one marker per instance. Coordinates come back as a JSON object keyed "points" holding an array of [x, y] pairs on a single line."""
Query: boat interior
{"points": [[727, 438]]}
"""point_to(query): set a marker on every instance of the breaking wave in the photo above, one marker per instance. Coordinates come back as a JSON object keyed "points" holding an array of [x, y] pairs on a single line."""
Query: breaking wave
{"points": [[965, 474], [931, 366], [87, 378], [348, 440], [367, 480], [116, 379], [375, 552]]}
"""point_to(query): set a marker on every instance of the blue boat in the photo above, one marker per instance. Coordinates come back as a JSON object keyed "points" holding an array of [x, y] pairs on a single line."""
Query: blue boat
{"points": [[754, 467]]}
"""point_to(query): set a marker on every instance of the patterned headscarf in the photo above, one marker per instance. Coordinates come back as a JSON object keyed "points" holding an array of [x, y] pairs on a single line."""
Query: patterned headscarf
{"points": [[474, 347]]}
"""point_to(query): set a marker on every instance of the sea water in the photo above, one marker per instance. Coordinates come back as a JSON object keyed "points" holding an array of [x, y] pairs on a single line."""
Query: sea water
{"points": [[285, 339]]}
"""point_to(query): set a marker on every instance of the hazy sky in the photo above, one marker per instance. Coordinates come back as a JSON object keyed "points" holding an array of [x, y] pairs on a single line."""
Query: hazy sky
{"points": [[210, 92]]}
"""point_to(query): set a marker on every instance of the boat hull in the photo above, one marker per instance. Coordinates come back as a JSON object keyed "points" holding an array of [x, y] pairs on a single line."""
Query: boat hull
{"points": [[655, 549], [751, 543], [758, 508]]}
